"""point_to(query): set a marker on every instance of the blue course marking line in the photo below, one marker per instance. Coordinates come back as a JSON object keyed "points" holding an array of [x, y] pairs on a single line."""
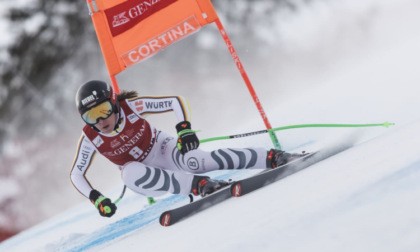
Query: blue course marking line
{"points": [[130, 223], [123, 226]]}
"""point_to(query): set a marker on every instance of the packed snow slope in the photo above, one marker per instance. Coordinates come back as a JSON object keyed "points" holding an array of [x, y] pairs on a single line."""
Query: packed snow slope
{"points": [[363, 199]]}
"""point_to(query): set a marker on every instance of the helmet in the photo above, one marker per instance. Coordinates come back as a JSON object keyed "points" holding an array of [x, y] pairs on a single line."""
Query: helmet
{"points": [[95, 91]]}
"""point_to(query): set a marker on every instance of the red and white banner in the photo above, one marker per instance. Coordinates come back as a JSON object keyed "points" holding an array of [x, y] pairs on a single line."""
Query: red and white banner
{"points": [[126, 15]]}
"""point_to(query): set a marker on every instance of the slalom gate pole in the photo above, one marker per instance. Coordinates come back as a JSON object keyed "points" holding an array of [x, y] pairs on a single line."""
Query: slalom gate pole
{"points": [[385, 124], [239, 65], [115, 84]]}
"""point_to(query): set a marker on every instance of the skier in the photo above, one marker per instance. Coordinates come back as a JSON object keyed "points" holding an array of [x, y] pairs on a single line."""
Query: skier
{"points": [[152, 162]]}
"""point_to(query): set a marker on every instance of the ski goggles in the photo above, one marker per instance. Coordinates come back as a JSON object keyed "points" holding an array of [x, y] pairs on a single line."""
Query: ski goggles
{"points": [[101, 111]]}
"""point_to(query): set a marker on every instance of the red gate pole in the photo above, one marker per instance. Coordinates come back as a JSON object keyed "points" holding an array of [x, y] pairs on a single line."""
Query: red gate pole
{"points": [[115, 84], [238, 63]]}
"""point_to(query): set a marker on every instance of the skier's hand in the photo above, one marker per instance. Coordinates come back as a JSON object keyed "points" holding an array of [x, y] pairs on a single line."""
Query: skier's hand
{"points": [[103, 204], [187, 139]]}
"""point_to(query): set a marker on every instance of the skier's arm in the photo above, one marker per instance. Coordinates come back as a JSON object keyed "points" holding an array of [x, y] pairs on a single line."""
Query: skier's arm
{"points": [[84, 157], [85, 154], [145, 105]]}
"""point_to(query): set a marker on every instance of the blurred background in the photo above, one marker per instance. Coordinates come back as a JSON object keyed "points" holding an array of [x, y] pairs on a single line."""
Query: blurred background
{"points": [[48, 48]]}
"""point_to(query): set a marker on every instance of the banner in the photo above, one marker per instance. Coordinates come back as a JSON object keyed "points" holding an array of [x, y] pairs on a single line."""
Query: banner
{"points": [[149, 48], [130, 31]]}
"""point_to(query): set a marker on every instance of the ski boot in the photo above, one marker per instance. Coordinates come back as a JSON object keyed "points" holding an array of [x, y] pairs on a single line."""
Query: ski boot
{"points": [[276, 158], [204, 185]]}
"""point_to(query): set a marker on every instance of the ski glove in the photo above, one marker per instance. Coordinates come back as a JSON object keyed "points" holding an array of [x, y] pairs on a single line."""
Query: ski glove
{"points": [[187, 139], [103, 204]]}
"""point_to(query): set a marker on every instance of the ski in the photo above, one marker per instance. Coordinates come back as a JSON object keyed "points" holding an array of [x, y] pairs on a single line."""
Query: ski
{"points": [[173, 216], [247, 185]]}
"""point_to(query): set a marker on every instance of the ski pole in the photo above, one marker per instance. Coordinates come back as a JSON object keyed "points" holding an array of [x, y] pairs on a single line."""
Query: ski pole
{"points": [[107, 209], [385, 124]]}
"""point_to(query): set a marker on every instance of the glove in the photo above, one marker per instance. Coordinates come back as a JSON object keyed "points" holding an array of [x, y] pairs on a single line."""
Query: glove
{"points": [[187, 139], [104, 205]]}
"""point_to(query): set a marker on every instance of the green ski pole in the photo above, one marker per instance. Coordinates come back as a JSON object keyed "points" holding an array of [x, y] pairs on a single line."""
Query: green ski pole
{"points": [[385, 124]]}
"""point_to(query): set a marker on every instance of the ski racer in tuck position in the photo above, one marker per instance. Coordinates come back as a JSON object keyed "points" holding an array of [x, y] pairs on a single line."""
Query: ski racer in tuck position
{"points": [[152, 162]]}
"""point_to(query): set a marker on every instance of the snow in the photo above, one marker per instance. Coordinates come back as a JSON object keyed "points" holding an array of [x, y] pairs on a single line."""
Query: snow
{"points": [[346, 62]]}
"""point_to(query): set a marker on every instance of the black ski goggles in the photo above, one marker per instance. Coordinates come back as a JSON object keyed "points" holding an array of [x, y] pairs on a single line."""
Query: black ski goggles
{"points": [[101, 111]]}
